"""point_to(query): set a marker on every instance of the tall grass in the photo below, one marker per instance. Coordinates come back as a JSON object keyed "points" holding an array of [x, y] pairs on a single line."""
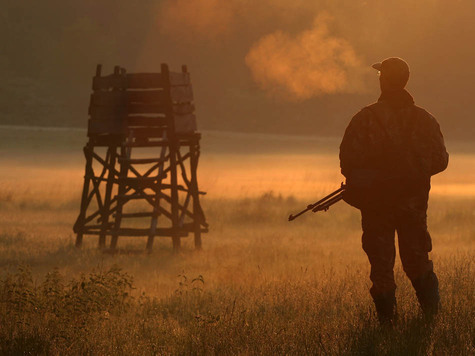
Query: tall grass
{"points": [[99, 313], [261, 286]]}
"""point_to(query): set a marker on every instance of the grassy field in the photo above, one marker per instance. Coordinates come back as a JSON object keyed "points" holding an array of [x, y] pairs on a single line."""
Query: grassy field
{"points": [[260, 285]]}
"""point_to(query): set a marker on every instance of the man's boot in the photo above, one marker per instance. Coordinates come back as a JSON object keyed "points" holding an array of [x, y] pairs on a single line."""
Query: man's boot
{"points": [[427, 292], [386, 308]]}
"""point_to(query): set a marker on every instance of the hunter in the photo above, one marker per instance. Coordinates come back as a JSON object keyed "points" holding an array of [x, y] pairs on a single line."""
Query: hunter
{"points": [[388, 154]]}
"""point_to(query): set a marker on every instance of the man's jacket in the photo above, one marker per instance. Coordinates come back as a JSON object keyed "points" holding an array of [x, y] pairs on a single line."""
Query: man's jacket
{"points": [[391, 149]]}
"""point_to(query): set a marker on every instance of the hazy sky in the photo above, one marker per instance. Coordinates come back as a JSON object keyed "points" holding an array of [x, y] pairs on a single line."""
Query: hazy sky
{"points": [[257, 65]]}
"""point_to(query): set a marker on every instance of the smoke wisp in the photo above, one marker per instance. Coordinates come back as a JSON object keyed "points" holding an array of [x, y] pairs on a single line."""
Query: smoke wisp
{"points": [[309, 64]]}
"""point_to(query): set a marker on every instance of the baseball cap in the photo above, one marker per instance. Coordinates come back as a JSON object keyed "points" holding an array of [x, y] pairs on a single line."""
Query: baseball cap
{"points": [[395, 69], [394, 65]]}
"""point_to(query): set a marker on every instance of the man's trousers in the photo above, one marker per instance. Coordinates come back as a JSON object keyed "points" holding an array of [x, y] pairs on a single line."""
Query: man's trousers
{"points": [[409, 219]]}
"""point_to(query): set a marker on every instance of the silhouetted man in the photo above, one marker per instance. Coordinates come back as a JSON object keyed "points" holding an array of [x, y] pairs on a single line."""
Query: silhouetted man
{"points": [[388, 154]]}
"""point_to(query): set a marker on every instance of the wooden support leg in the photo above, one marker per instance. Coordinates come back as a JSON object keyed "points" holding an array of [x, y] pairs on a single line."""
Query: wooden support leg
{"points": [[174, 197], [124, 168], [102, 241], [173, 147], [114, 239], [111, 154], [176, 244], [79, 239], [153, 228], [198, 244], [79, 226], [195, 194], [153, 224], [149, 244]]}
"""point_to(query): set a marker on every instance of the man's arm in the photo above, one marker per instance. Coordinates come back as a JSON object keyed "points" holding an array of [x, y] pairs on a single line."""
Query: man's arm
{"points": [[440, 157], [356, 159], [353, 147]]}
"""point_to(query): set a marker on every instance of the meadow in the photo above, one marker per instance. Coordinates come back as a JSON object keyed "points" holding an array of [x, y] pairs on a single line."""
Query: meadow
{"points": [[260, 285]]}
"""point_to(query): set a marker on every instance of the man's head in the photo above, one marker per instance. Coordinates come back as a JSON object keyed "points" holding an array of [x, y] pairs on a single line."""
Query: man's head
{"points": [[394, 73]]}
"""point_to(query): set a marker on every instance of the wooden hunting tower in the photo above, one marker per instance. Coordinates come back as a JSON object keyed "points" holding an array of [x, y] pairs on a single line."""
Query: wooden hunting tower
{"points": [[141, 159]]}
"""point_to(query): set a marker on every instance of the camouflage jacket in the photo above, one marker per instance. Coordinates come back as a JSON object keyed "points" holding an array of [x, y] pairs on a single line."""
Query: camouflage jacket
{"points": [[397, 141]]}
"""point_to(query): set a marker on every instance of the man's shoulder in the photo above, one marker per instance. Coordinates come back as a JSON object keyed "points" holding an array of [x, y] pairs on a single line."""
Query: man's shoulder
{"points": [[364, 119], [422, 111], [373, 106], [381, 106], [425, 118], [370, 107], [365, 112]]}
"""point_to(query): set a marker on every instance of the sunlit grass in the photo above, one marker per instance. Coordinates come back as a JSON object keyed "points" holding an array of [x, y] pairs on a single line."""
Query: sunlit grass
{"points": [[261, 285]]}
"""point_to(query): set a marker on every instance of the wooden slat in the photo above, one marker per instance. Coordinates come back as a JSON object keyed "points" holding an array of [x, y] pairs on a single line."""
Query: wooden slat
{"points": [[104, 98], [141, 181], [137, 215], [113, 110], [148, 144], [114, 103], [100, 127], [186, 140], [116, 140], [185, 123], [144, 80], [146, 108], [144, 96], [134, 196], [146, 121], [189, 138], [105, 112], [107, 226], [142, 185], [141, 160], [146, 132]]}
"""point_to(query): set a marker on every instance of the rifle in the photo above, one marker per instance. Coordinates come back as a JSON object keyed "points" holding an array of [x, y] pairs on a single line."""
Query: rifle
{"points": [[323, 204]]}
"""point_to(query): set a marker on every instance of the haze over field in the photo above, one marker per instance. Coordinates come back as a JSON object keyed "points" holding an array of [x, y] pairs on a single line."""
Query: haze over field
{"points": [[320, 53], [261, 285], [231, 165]]}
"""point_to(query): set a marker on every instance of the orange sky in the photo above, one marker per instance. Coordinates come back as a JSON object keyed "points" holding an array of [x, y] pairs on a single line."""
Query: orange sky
{"points": [[269, 66]]}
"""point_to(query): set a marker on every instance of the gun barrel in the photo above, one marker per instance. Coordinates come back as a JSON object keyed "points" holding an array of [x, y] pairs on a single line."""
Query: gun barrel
{"points": [[326, 205], [293, 217], [342, 188], [325, 202]]}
